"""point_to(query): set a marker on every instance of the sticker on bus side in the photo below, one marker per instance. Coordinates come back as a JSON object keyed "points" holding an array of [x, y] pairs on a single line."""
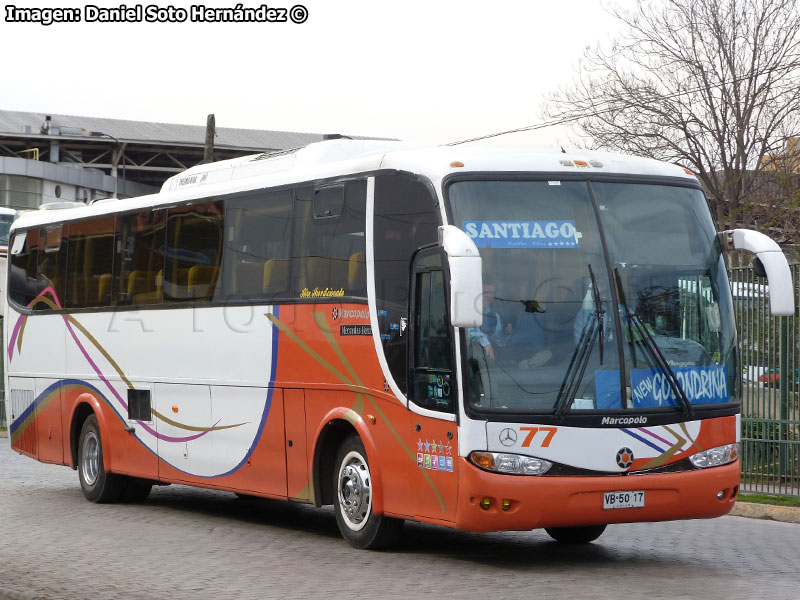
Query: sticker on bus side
{"points": [[523, 234], [650, 387], [702, 385]]}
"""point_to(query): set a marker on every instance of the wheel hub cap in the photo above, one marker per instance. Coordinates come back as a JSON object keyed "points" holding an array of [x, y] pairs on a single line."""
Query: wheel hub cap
{"points": [[354, 491], [90, 459]]}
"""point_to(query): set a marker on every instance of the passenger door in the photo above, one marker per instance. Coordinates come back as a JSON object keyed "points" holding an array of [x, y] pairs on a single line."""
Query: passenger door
{"points": [[432, 391]]}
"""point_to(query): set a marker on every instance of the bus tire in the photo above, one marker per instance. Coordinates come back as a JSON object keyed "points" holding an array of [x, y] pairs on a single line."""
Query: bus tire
{"points": [[352, 501], [575, 535], [97, 485]]}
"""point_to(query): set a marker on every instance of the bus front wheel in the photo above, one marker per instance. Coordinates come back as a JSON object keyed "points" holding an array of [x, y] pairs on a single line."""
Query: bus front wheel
{"points": [[575, 535], [97, 485], [352, 500]]}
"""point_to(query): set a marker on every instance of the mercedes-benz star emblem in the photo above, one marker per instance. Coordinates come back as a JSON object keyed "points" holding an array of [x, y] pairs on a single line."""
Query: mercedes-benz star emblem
{"points": [[508, 437]]}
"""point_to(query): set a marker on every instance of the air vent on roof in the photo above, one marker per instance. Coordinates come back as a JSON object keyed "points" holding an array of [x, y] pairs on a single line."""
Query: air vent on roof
{"points": [[267, 155], [60, 205]]}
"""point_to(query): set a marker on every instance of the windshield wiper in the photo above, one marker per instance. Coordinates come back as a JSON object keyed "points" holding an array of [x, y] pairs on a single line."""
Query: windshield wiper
{"points": [[621, 296], [655, 352], [592, 331]]}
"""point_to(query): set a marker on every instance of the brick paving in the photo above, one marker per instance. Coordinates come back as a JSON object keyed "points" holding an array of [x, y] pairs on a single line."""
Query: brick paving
{"points": [[191, 543]]}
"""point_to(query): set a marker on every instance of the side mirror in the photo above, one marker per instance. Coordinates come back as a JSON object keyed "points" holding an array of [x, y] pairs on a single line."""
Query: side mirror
{"points": [[466, 277], [772, 263]]}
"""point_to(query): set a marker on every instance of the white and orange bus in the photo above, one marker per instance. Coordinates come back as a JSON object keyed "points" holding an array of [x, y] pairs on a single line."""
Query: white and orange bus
{"points": [[477, 338]]}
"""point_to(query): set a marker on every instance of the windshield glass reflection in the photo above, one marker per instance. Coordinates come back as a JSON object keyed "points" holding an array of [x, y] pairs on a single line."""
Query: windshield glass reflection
{"points": [[552, 336]]}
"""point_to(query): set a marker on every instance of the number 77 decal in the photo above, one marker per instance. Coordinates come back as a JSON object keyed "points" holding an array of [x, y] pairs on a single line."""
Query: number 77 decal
{"points": [[532, 431]]}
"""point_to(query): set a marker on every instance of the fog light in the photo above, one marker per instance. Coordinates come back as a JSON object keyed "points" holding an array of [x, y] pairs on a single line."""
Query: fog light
{"points": [[720, 495], [505, 504], [486, 503]]}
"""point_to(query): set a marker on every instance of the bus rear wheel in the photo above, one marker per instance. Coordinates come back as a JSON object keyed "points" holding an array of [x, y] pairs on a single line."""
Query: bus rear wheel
{"points": [[97, 485], [352, 501], [575, 535]]}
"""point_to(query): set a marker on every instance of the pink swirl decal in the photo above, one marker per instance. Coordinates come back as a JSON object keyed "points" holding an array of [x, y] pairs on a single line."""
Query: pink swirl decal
{"points": [[97, 370]]}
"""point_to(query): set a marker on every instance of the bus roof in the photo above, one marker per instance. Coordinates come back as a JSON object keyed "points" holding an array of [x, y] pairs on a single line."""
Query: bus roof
{"points": [[332, 158]]}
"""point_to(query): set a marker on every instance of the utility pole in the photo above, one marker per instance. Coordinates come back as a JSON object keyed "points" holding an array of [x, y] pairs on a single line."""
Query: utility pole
{"points": [[208, 151]]}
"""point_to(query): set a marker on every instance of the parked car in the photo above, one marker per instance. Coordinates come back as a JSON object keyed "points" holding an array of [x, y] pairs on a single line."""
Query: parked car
{"points": [[772, 377]]}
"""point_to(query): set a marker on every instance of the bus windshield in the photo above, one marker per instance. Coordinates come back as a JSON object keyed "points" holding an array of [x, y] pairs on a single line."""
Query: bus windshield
{"points": [[567, 328]]}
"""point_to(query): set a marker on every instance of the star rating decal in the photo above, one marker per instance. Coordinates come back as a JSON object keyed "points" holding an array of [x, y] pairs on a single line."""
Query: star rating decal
{"points": [[435, 462]]}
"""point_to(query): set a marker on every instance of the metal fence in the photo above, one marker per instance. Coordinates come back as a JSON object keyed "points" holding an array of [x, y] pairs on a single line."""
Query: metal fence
{"points": [[770, 355]]}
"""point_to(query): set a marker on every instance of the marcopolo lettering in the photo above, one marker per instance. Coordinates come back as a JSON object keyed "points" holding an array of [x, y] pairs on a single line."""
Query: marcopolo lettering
{"points": [[640, 420], [523, 234], [353, 314]]}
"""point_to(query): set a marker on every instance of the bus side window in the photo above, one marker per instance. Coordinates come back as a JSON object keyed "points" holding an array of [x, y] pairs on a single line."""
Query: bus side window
{"points": [[52, 262], [90, 263], [37, 264], [23, 279], [432, 370], [256, 255], [140, 244], [329, 240], [194, 252]]}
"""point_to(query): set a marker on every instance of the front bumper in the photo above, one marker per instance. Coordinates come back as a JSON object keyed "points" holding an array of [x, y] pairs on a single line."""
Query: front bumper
{"points": [[575, 501]]}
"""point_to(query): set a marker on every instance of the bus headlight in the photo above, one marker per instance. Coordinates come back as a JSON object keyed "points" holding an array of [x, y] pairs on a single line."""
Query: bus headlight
{"points": [[513, 464], [721, 455]]}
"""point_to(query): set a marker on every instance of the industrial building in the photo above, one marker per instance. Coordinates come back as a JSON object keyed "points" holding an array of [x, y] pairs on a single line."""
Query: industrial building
{"points": [[49, 157]]}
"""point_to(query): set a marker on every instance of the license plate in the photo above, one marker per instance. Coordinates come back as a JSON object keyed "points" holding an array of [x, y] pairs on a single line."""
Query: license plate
{"points": [[633, 499]]}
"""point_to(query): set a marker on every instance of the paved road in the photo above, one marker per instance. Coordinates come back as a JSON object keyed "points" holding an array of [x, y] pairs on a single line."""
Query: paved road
{"points": [[189, 543]]}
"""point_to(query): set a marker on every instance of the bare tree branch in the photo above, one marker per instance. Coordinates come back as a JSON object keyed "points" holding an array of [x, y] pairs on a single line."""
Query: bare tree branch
{"points": [[713, 85]]}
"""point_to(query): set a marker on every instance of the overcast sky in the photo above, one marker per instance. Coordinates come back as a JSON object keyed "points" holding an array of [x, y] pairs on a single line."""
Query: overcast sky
{"points": [[427, 70]]}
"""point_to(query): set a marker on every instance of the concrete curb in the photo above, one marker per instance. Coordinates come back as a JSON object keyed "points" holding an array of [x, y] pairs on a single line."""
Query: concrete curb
{"points": [[785, 514]]}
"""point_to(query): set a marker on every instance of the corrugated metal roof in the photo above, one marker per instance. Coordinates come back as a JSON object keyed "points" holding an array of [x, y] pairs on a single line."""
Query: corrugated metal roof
{"points": [[15, 122]]}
